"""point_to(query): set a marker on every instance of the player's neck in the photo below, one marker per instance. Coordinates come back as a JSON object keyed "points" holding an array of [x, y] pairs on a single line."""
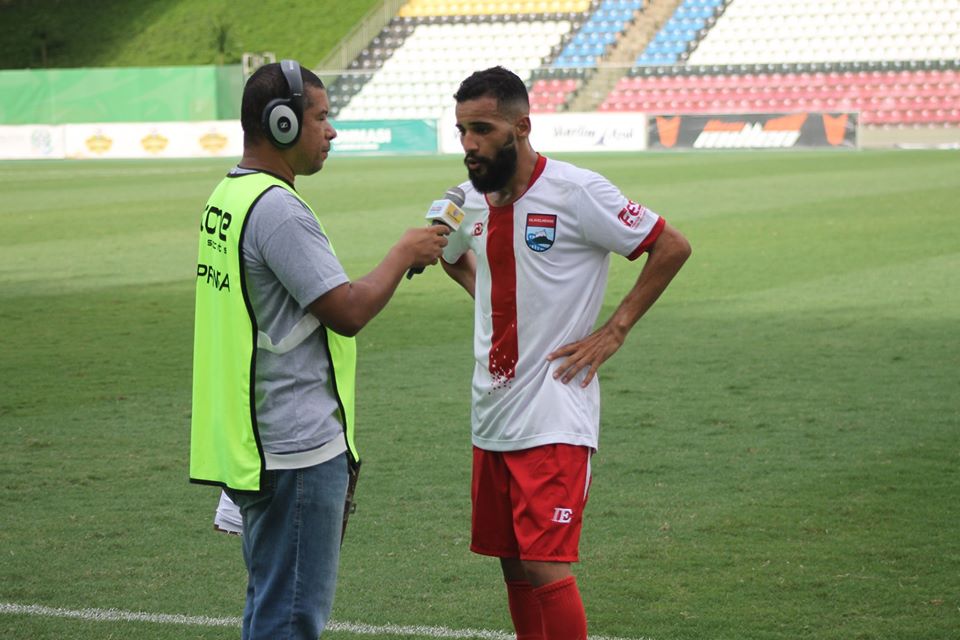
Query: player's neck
{"points": [[526, 164]]}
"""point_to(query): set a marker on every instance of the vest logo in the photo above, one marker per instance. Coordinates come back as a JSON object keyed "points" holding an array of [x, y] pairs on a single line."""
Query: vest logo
{"points": [[562, 515], [632, 214], [216, 222], [477, 229], [541, 231], [213, 276]]}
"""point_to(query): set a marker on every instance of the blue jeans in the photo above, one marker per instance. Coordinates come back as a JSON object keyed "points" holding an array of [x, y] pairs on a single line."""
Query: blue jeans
{"points": [[291, 546]]}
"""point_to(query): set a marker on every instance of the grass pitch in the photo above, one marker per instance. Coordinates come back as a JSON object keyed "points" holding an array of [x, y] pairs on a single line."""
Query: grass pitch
{"points": [[780, 441]]}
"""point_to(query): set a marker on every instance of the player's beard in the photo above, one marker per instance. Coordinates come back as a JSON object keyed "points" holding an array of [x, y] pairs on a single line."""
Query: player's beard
{"points": [[498, 171]]}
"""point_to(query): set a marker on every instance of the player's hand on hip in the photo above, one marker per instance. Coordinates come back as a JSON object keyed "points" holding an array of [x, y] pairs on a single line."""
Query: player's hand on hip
{"points": [[589, 354], [425, 244]]}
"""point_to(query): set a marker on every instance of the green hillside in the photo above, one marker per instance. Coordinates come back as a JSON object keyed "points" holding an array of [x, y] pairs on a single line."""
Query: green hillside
{"points": [[121, 33]]}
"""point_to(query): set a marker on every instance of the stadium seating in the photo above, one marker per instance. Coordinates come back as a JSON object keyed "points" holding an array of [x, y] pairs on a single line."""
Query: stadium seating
{"points": [[882, 97], [417, 8], [413, 66], [417, 78], [548, 94], [787, 31], [588, 45], [681, 32], [894, 64]]}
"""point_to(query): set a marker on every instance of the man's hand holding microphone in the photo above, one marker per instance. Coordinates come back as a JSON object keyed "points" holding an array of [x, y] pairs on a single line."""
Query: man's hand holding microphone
{"points": [[445, 216], [422, 246], [348, 308]]}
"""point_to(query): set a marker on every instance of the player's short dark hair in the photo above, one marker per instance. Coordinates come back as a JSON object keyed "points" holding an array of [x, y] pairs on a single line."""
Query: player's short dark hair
{"points": [[500, 83], [267, 83]]}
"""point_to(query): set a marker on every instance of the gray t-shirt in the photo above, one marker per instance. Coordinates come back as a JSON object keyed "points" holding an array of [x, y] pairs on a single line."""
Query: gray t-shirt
{"points": [[288, 264]]}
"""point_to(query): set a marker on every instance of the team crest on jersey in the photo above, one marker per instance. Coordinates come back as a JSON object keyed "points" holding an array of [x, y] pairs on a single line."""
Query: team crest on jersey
{"points": [[541, 231]]}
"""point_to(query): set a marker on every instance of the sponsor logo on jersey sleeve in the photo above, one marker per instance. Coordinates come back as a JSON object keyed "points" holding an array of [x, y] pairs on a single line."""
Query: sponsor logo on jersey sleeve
{"points": [[632, 214], [541, 231]]}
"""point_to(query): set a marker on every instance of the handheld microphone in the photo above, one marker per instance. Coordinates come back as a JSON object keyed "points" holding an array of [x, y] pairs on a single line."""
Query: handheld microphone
{"points": [[444, 211]]}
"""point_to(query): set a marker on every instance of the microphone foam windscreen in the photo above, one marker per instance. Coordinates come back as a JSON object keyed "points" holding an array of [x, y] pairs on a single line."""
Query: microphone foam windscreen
{"points": [[455, 195]]}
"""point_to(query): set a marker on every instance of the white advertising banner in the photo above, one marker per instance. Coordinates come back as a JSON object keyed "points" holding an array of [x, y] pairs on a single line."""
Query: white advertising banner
{"points": [[210, 139], [31, 142], [588, 132], [551, 132]]}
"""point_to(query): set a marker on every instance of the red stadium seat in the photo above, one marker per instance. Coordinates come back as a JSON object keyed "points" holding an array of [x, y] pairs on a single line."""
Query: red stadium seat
{"points": [[882, 97]]}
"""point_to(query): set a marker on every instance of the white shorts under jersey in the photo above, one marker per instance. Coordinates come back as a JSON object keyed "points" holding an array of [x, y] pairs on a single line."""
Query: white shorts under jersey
{"points": [[542, 267]]}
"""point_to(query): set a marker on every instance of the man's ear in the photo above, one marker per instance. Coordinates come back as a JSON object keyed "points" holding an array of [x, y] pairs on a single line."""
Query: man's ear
{"points": [[522, 127]]}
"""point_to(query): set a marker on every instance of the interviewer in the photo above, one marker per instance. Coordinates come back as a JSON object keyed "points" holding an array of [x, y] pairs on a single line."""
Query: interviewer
{"points": [[274, 356]]}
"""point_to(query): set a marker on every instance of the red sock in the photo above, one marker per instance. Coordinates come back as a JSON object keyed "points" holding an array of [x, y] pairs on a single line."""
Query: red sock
{"points": [[524, 610], [562, 610]]}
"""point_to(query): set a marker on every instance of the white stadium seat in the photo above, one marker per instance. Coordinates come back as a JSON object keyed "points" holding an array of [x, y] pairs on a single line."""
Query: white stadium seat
{"points": [[424, 72], [858, 30]]}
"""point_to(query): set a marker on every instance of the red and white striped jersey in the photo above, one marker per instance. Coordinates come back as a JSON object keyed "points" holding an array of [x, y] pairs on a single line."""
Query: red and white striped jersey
{"points": [[542, 267]]}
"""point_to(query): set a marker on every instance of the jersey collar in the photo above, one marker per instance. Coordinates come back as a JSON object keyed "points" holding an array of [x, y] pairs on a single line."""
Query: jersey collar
{"points": [[537, 171]]}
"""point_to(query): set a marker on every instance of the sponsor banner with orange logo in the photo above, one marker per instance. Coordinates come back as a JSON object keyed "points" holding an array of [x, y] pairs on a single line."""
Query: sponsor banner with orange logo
{"points": [[214, 138], [753, 131]]}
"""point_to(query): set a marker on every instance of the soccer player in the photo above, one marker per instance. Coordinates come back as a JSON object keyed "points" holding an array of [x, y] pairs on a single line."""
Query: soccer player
{"points": [[274, 354], [534, 250]]}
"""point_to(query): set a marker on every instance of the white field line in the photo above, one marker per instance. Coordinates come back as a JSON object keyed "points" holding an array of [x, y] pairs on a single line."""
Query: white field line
{"points": [[116, 615]]}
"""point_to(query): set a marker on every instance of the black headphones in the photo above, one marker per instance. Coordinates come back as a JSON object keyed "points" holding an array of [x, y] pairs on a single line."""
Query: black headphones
{"points": [[282, 116]]}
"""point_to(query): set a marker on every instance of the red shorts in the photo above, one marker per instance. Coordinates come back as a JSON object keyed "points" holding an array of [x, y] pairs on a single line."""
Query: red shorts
{"points": [[529, 504]]}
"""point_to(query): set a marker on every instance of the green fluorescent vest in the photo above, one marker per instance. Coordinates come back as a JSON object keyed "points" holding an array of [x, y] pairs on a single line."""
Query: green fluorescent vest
{"points": [[225, 444]]}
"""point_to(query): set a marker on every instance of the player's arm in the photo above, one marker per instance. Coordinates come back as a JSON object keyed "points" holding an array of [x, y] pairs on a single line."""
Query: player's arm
{"points": [[463, 271], [666, 256], [348, 308]]}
